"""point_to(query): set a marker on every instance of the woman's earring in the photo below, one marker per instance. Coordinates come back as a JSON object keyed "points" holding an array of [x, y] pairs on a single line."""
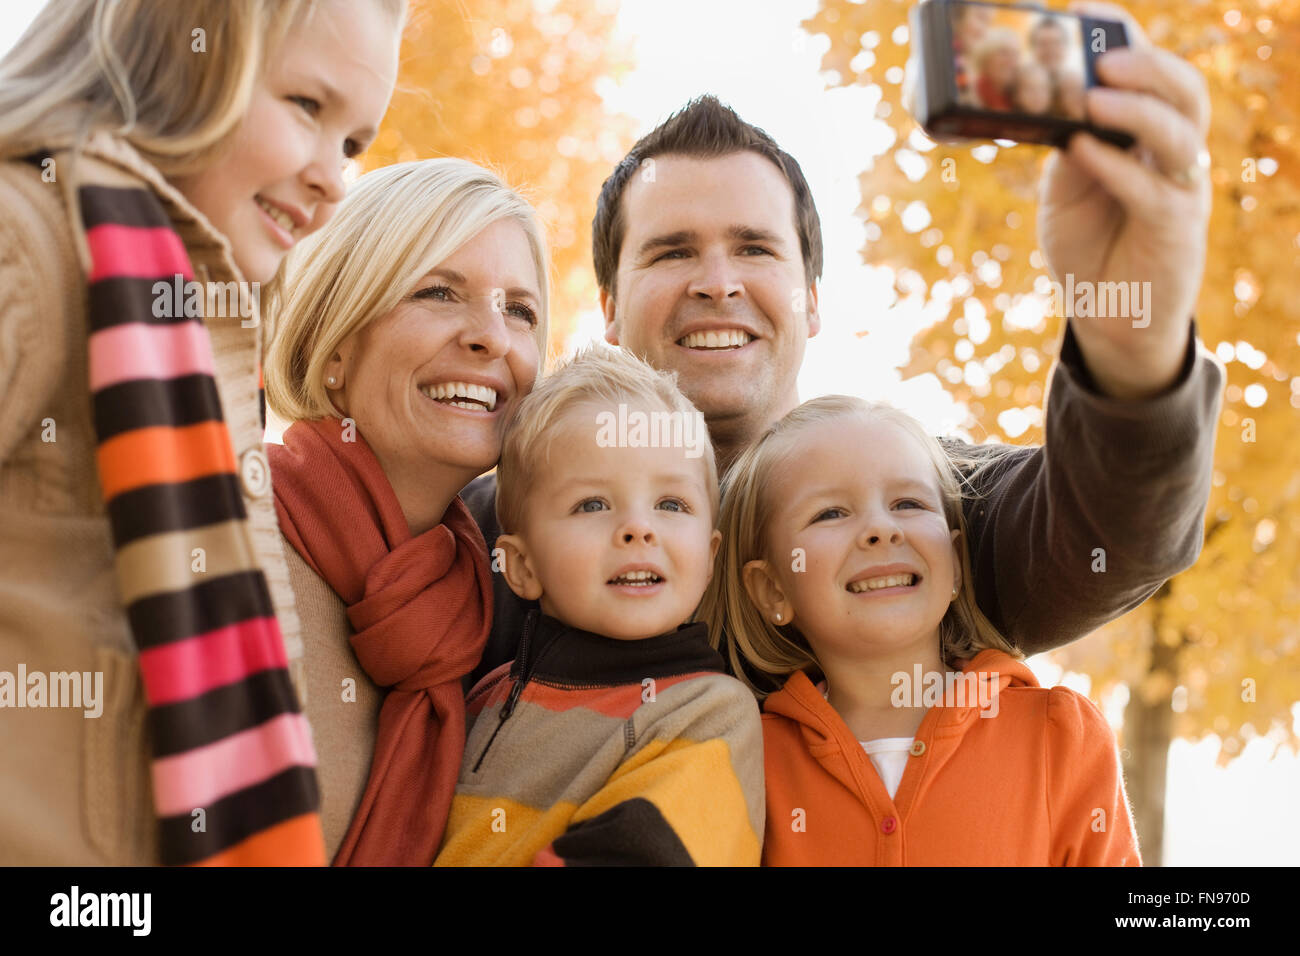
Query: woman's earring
{"points": [[331, 380], [778, 617], [954, 594]]}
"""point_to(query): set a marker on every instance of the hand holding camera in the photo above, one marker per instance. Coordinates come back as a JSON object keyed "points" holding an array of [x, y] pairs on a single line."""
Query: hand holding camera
{"points": [[1127, 196]]}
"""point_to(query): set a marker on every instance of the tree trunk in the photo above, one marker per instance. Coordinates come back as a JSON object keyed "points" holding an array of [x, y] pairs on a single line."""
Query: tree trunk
{"points": [[1148, 730]]}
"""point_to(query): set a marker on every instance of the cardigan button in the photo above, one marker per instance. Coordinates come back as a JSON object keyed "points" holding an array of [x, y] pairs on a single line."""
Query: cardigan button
{"points": [[255, 473], [918, 747], [889, 825]]}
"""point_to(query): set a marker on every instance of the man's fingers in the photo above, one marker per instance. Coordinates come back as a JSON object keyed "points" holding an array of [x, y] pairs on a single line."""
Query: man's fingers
{"points": [[1162, 74], [1065, 181], [1136, 187], [1169, 135], [1143, 66]]}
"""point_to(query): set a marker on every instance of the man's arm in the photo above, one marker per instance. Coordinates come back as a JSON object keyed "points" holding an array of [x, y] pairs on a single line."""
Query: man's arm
{"points": [[1072, 534], [1123, 479], [508, 608], [1138, 219]]}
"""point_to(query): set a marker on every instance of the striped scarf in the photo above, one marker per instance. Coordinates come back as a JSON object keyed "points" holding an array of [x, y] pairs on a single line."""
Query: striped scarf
{"points": [[233, 765]]}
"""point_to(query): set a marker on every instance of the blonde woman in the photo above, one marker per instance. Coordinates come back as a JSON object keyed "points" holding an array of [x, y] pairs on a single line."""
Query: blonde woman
{"points": [[996, 58], [908, 731], [408, 331], [157, 160]]}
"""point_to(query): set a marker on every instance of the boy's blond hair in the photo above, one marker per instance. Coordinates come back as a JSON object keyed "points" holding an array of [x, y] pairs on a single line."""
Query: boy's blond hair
{"points": [[597, 376], [746, 511]]}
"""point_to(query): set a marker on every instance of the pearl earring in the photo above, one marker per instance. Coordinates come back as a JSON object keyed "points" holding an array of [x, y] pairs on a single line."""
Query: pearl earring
{"points": [[954, 594], [778, 618], [331, 380]]}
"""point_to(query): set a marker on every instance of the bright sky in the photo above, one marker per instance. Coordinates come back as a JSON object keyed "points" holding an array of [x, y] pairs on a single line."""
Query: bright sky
{"points": [[14, 19], [752, 55]]}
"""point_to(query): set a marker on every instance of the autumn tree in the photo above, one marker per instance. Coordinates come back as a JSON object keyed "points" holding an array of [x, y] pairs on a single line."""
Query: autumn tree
{"points": [[1217, 649], [511, 85]]}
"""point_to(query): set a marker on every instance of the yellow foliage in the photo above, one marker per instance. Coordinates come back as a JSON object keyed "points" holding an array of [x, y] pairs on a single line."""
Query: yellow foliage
{"points": [[511, 85], [1236, 614]]}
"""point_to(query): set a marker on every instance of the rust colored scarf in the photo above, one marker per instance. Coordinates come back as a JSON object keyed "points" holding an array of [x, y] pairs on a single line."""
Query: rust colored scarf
{"points": [[420, 609]]}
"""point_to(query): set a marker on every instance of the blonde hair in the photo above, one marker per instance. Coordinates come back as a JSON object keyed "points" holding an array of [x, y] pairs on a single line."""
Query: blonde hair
{"points": [[746, 510], [994, 41], [128, 66], [595, 375], [395, 225]]}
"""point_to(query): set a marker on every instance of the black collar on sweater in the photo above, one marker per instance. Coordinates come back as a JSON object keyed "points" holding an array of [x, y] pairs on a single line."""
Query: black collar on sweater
{"points": [[559, 654]]}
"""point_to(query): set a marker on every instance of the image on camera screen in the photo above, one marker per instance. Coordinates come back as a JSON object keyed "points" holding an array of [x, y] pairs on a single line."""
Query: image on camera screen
{"points": [[1018, 60]]}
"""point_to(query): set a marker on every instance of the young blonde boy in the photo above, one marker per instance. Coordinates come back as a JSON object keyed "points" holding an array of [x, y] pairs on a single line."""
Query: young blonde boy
{"points": [[614, 737]]}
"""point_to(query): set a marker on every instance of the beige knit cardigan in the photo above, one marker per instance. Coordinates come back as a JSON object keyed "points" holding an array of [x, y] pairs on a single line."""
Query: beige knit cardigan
{"points": [[74, 789]]}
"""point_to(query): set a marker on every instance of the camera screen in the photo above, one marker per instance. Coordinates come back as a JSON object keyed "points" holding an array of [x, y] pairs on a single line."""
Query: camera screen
{"points": [[1025, 61]]}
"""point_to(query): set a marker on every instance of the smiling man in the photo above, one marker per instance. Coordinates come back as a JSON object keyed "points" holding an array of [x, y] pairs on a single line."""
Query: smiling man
{"points": [[707, 250], [702, 271]]}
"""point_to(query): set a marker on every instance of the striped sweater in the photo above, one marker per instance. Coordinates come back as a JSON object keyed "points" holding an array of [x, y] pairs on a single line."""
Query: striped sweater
{"points": [[588, 750]]}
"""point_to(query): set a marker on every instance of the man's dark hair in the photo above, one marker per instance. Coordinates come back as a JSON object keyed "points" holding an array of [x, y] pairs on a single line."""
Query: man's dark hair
{"points": [[707, 129]]}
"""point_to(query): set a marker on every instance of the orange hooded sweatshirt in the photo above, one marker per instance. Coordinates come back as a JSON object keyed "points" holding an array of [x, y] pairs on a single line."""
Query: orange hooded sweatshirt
{"points": [[1004, 773]]}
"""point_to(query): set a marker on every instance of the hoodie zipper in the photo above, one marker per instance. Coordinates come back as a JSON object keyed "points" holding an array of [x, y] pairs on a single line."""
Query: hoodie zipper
{"points": [[516, 689]]}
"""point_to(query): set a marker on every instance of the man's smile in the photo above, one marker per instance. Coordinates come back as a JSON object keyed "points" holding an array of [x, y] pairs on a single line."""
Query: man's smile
{"points": [[716, 339]]}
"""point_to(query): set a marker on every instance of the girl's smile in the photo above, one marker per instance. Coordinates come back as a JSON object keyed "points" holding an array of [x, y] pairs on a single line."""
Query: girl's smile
{"points": [[318, 104], [864, 518], [884, 580]]}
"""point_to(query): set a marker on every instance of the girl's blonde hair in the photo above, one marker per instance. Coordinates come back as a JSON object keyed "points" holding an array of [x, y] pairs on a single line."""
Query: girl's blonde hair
{"points": [[395, 225], [134, 67], [746, 510]]}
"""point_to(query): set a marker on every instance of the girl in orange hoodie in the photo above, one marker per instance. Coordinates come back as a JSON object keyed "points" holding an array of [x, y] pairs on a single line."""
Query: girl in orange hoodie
{"points": [[909, 732]]}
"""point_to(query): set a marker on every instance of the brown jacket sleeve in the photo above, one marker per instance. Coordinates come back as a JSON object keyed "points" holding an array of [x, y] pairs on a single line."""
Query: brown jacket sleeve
{"points": [[1118, 484]]}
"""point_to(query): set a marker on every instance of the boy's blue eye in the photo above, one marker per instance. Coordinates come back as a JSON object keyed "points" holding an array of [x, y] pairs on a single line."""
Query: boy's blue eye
{"points": [[310, 106], [591, 505], [828, 513], [911, 501], [673, 504]]}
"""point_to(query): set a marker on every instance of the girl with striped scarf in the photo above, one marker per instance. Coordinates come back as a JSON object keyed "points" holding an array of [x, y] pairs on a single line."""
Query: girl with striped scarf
{"points": [[155, 156]]}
